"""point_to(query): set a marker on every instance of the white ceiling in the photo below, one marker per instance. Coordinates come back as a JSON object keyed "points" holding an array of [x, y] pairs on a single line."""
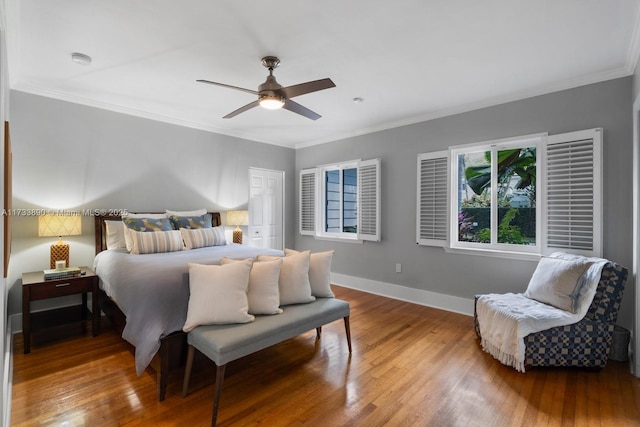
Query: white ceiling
{"points": [[410, 60]]}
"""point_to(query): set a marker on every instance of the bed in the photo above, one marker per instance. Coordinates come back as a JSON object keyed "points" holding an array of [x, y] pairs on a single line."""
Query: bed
{"points": [[146, 296]]}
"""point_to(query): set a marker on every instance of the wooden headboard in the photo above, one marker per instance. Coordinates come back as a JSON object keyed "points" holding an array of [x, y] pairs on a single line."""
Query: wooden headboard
{"points": [[101, 231]]}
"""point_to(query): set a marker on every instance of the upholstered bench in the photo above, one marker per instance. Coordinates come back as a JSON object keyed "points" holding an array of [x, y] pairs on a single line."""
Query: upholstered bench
{"points": [[225, 343]]}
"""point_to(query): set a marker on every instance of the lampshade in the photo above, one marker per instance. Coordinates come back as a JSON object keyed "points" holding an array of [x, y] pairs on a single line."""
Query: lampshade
{"points": [[271, 102], [237, 217], [59, 225]]}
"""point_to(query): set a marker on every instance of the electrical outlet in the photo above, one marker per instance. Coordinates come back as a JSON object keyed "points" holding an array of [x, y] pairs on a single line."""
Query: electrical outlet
{"points": [[398, 268]]}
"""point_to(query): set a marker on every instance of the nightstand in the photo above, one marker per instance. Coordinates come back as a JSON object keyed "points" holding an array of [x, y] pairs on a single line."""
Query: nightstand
{"points": [[35, 287]]}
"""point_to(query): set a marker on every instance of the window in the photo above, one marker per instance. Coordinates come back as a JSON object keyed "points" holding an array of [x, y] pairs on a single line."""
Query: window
{"points": [[496, 198], [341, 201], [533, 194]]}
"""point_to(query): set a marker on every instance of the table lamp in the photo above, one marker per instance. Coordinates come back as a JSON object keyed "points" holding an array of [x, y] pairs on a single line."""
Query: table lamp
{"points": [[59, 225], [237, 218]]}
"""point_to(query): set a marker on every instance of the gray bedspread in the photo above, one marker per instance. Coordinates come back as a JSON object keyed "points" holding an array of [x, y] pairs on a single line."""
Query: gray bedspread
{"points": [[152, 290]]}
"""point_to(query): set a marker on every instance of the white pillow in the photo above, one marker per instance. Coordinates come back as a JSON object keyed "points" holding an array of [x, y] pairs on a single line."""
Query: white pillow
{"points": [[218, 294], [145, 242], [200, 237], [263, 292], [197, 212], [293, 283], [146, 215], [319, 272], [115, 234], [557, 282]]}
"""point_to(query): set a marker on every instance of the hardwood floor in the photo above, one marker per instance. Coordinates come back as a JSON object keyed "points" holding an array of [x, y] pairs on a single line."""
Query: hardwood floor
{"points": [[411, 366]]}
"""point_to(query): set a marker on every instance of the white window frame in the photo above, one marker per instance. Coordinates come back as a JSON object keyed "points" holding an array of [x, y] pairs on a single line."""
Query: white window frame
{"points": [[322, 206], [494, 146], [586, 157], [312, 194]]}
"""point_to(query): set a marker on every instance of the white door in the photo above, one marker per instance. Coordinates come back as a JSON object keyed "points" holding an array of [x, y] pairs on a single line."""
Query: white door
{"points": [[266, 208]]}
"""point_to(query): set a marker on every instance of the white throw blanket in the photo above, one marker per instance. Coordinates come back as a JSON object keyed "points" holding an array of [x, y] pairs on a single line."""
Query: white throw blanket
{"points": [[505, 319]]}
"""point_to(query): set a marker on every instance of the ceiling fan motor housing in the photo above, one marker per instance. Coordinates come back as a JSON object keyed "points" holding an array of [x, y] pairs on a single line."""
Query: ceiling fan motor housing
{"points": [[270, 89]]}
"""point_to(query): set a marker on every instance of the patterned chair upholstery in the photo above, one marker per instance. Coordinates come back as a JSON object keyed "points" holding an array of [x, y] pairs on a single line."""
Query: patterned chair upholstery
{"points": [[588, 342]]}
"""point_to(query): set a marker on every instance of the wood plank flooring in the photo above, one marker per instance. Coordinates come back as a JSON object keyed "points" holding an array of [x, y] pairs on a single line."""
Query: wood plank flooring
{"points": [[411, 366]]}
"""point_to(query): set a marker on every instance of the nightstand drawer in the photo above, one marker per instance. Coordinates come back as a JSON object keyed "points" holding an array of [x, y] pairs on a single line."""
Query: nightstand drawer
{"points": [[60, 288]]}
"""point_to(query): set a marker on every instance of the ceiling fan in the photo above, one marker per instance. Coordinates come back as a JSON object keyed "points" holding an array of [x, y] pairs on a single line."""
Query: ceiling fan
{"points": [[271, 95]]}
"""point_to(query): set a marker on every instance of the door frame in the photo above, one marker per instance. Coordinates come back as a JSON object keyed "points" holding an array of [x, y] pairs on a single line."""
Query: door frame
{"points": [[635, 342]]}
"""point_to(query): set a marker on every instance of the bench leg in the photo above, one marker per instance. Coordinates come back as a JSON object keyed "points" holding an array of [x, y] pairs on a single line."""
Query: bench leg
{"points": [[216, 396], [187, 370], [318, 332], [347, 330]]}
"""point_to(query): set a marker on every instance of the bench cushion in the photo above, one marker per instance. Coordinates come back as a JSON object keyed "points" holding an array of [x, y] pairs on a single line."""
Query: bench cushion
{"points": [[225, 343]]}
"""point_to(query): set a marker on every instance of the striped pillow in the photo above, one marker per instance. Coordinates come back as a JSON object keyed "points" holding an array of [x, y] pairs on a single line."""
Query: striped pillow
{"points": [[155, 241], [200, 237]]}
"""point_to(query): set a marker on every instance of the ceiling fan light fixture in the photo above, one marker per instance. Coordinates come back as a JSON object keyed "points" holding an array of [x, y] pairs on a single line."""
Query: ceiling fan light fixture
{"points": [[271, 102]]}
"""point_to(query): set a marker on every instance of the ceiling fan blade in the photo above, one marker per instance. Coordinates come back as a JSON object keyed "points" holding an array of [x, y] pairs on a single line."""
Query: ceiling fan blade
{"points": [[242, 109], [229, 86], [303, 111], [308, 87]]}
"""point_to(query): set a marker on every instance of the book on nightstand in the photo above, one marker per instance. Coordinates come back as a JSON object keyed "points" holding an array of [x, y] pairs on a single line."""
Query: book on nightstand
{"points": [[62, 274]]}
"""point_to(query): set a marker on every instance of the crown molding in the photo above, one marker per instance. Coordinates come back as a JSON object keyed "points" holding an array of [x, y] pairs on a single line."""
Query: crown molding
{"points": [[489, 102], [90, 102]]}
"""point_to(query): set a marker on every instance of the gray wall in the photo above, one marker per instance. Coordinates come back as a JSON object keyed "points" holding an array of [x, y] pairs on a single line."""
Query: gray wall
{"points": [[71, 156], [606, 105]]}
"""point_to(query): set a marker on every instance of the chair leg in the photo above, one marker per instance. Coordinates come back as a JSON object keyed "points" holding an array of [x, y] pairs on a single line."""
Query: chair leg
{"points": [[216, 396], [318, 332], [187, 370], [347, 330]]}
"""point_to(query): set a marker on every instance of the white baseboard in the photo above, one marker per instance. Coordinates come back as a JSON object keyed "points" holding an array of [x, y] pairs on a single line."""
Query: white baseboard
{"points": [[7, 377], [404, 293]]}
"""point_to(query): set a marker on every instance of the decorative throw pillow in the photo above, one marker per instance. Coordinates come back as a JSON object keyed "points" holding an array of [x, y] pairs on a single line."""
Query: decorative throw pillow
{"points": [[201, 237], [293, 283], [263, 292], [155, 242], [139, 223], [319, 272], [218, 294], [197, 212], [557, 282], [115, 235], [147, 224], [202, 221]]}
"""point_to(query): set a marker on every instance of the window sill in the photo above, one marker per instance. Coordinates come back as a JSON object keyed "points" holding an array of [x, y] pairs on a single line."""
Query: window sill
{"points": [[526, 256], [338, 239]]}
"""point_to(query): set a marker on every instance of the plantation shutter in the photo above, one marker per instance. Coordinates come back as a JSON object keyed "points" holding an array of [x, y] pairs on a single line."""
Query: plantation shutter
{"points": [[369, 200], [433, 199], [573, 193], [308, 197]]}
